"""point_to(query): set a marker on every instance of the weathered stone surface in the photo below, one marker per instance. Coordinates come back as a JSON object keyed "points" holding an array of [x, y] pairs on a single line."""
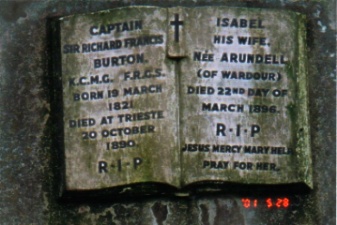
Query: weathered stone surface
{"points": [[120, 99], [240, 83], [244, 105], [29, 159]]}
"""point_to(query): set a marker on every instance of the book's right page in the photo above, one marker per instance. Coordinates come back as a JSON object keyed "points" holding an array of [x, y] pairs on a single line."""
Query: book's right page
{"points": [[243, 96]]}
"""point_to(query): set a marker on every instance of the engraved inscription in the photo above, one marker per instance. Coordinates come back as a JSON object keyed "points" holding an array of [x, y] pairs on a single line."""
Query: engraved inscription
{"points": [[184, 95]]}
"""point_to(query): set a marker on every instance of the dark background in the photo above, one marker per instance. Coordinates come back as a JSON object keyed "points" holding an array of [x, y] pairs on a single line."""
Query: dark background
{"points": [[29, 159]]}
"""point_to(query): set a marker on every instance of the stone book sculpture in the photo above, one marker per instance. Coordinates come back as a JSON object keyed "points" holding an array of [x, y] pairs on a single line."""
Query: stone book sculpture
{"points": [[181, 97]]}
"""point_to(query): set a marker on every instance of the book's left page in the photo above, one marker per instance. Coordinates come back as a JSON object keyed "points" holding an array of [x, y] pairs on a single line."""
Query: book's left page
{"points": [[119, 99]]}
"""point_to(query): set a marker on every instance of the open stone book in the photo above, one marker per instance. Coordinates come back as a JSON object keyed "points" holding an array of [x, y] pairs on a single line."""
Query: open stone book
{"points": [[181, 97]]}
